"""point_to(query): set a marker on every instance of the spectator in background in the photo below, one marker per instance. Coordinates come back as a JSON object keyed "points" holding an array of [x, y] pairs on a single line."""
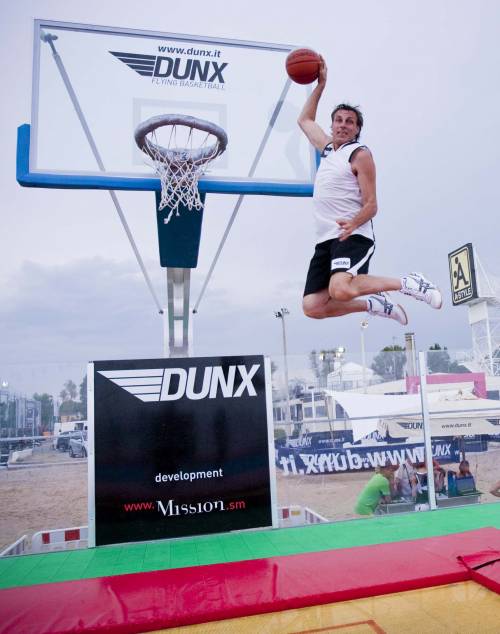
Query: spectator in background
{"points": [[464, 470], [406, 480], [377, 489], [495, 490], [463, 481], [439, 477]]}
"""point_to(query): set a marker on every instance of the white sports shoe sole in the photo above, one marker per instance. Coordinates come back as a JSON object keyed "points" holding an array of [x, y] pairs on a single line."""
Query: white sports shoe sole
{"points": [[381, 305], [426, 292]]}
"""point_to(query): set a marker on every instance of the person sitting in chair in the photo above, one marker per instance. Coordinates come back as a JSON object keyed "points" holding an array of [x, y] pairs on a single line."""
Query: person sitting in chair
{"points": [[406, 480], [439, 476], [464, 470], [464, 480]]}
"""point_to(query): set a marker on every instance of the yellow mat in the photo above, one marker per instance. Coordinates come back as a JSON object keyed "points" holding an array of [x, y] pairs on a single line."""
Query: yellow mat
{"points": [[461, 608]]}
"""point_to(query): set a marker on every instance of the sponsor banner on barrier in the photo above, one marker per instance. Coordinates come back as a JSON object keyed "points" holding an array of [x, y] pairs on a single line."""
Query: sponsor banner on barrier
{"points": [[181, 447], [322, 439], [304, 461], [440, 426]]}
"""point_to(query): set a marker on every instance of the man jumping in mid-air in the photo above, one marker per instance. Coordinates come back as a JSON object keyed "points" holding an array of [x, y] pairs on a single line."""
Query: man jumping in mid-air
{"points": [[344, 204]]}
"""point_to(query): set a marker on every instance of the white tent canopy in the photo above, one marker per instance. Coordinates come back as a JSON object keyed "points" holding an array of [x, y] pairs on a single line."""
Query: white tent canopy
{"points": [[452, 413]]}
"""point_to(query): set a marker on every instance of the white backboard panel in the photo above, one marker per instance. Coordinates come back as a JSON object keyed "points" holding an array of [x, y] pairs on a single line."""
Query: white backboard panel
{"points": [[120, 78]]}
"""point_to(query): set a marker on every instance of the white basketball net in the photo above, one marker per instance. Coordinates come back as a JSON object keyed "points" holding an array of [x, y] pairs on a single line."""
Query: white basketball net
{"points": [[180, 166]]}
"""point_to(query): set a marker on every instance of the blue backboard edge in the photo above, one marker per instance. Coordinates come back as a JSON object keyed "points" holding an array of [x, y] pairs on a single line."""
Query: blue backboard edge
{"points": [[25, 178]]}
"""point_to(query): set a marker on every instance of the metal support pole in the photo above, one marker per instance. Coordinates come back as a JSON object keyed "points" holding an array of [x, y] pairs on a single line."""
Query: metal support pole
{"points": [[49, 39], [285, 355], [280, 314], [364, 326], [165, 320], [178, 283], [431, 491], [411, 355], [488, 339]]}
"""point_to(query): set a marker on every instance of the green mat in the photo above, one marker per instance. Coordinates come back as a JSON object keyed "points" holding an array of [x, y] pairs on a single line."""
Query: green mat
{"points": [[197, 551]]}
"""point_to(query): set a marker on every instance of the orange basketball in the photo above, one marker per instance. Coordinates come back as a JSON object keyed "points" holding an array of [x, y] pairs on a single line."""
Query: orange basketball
{"points": [[302, 65]]}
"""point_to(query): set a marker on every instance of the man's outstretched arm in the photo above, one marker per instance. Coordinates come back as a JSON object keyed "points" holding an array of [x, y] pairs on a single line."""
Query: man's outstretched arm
{"points": [[307, 119]]}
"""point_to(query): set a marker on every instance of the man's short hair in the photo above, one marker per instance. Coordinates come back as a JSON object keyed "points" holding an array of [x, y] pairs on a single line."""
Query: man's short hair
{"points": [[356, 110]]}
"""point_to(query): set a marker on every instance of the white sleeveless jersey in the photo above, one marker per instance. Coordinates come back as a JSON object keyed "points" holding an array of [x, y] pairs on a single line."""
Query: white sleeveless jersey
{"points": [[336, 193]]}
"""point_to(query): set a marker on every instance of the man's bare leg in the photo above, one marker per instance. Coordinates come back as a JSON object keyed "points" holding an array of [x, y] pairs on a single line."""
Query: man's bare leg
{"points": [[345, 287], [321, 305], [341, 296]]}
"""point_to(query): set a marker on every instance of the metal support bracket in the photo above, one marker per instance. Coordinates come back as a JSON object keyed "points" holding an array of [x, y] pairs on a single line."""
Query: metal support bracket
{"points": [[176, 321]]}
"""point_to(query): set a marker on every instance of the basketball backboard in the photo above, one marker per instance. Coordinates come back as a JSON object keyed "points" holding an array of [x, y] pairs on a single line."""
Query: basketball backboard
{"points": [[121, 77]]}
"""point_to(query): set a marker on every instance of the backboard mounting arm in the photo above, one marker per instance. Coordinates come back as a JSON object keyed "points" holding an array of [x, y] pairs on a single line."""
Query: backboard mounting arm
{"points": [[49, 39]]}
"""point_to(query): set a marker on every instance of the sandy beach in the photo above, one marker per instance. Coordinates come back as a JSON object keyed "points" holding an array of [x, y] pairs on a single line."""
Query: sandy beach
{"points": [[49, 491]]}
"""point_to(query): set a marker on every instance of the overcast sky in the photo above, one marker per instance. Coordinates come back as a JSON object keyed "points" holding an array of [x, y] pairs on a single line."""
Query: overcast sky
{"points": [[426, 76]]}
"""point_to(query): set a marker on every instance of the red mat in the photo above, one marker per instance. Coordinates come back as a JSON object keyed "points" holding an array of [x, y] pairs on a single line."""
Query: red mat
{"points": [[150, 601], [484, 568]]}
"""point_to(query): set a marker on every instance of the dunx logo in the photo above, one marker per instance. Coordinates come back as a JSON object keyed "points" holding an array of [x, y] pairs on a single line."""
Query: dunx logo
{"points": [[413, 425], [157, 384], [176, 67]]}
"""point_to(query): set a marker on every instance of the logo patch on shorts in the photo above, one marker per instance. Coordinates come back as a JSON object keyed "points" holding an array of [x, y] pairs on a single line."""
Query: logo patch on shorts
{"points": [[341, 263]]}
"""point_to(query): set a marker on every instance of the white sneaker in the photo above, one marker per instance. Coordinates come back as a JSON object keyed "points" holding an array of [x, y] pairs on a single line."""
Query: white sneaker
{"points": [[380, 304], [416, 285]]}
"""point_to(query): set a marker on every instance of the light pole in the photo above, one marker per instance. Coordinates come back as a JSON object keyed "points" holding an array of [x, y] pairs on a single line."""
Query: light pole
{"points": [[4, 412], [33, 428], [324, 357], [364, 326], [394, 358], [339, 354], [280, 314]]}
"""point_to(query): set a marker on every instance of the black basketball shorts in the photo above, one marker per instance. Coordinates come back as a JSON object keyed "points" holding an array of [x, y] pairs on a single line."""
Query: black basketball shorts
{"points": [[332, 256]]}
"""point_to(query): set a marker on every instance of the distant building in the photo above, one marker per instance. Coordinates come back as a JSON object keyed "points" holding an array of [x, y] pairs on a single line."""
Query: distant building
{"points": [[28, 417], [19, 416], [351, 376]]}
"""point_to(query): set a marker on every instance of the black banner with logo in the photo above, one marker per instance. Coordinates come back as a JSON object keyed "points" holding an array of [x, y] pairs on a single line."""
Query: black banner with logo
{"points": [[181, 447]]}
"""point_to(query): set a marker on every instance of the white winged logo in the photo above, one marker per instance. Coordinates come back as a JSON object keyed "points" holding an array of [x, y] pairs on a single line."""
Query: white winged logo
{"points": [[144, 384]]}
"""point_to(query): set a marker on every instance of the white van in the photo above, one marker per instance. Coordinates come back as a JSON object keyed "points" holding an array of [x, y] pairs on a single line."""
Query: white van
{"points": [[71, 425], [68, 426]]}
